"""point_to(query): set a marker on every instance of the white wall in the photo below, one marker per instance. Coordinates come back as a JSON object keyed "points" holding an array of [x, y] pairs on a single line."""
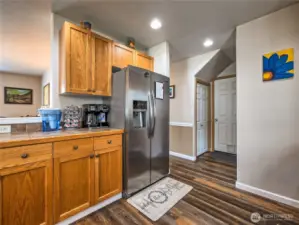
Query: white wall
{"points": [[268, 112], [230, 70], [182, 106], [162, 58], [183, 77]]}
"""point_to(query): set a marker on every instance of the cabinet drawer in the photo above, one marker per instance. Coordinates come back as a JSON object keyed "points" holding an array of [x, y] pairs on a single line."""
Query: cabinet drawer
{"points": [[16, 156], [82, 146], [107, 141]]}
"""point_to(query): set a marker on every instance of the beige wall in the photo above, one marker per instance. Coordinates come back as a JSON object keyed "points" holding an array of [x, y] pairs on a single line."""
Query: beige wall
{"points": [[21, 81], [268, 112], [181, 140], [182, 106]]}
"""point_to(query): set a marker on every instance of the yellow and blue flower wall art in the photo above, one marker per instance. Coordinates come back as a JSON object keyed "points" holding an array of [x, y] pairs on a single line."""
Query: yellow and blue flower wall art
{"points": [[278, 65]]}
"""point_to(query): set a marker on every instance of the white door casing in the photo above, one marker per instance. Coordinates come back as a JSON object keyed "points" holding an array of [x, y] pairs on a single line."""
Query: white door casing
{"points": [[202, 117], [225, 115]]}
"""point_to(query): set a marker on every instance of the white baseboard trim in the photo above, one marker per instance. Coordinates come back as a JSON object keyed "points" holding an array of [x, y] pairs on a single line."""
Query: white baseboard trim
{"points": [[91, 209], [268, 194], [188, 157]]}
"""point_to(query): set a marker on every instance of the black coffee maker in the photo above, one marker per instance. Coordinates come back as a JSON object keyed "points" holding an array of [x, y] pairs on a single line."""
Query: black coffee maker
{"points": [[95, 115]]}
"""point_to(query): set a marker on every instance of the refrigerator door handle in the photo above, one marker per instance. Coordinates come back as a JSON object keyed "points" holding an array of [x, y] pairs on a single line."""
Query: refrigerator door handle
{"points": [[153, 121], [149, 116]]}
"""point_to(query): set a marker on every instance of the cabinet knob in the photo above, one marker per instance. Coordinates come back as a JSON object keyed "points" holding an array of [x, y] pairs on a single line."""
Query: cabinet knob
{"points": [[91, 156], [24, 156], [75, 147], [98, 155], [109, 142]]}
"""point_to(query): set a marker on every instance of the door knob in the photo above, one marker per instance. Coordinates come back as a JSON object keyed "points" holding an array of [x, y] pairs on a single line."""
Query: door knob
{"points": [[201, 125], [216, 120]]}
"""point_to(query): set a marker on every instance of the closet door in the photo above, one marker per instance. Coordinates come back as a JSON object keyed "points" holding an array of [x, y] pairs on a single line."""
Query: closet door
{"points": [[202, 118], [225, 115]]}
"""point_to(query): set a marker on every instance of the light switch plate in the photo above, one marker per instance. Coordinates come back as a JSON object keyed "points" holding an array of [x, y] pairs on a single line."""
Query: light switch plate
{"points": [[5, 129]]}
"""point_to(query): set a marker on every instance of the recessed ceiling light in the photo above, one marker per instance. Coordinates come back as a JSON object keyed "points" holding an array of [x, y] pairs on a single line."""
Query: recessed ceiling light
{"points": [[208, 43], [156, 24]]}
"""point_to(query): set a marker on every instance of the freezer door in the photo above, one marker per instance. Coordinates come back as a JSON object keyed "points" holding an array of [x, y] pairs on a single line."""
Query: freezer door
{"points": [[160, 132], [137, 161]]}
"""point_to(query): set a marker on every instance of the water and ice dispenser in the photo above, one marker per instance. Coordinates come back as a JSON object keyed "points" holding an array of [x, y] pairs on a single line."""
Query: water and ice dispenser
{"points": [[139, 114]]}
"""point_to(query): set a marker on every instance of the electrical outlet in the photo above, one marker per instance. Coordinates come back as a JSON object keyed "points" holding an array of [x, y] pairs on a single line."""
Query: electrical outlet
{"points": [[5, 128]]}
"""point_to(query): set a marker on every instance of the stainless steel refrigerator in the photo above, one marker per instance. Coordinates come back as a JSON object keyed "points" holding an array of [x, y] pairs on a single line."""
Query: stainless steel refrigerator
{"points": [[140, 106]]}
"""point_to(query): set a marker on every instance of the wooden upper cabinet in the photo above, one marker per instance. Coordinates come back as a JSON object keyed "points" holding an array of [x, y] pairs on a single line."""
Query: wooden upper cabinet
{"points": [[75, 57], [86, 60], [144, 61], [122, 56], [26, 187], [108, 173], [101, 65]]}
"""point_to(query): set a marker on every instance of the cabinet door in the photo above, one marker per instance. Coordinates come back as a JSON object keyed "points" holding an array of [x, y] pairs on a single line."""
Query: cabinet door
{"points": [[101, 65], [73, 185], [77, 58], [108, 173], [123, 56], [26, 194], [144, 61]]}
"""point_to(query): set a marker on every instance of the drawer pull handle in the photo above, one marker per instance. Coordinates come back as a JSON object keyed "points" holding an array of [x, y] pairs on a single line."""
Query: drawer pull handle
{"points": [[109, 142], [75, 147], [98, 155], [24, 156], [91, 156]]}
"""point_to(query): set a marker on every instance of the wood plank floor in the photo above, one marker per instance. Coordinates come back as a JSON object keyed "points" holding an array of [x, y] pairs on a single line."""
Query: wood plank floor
{"points": [[214, 199]]}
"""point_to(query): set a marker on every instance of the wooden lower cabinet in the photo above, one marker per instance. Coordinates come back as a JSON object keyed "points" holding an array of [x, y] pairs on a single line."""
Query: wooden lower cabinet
{"points": [[44, 184], [108, 173], [26, 194], [73, 184]]}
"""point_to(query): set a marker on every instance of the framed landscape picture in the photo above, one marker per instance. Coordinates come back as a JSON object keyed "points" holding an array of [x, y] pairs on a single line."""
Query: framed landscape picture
{"points": [[14, 95]]}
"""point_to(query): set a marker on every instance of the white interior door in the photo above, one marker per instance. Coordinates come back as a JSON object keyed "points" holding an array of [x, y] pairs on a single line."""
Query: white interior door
{"points": [[202, 118], [225, 115]]}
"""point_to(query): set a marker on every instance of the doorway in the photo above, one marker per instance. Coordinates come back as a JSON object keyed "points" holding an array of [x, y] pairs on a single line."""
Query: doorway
{"points": [[202, 117], [225, 115]]}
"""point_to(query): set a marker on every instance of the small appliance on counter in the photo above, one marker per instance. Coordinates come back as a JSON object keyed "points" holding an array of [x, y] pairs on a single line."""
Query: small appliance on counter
{"points": [[95, 115], [72, 117], [50, 119]]}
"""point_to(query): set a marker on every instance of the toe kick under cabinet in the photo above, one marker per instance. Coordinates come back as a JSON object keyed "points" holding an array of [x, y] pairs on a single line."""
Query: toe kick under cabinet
{"points": [[42, 184]]}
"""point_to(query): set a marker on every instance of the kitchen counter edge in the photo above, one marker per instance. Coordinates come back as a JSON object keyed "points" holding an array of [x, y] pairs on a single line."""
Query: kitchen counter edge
{"points": [[19, 139]]}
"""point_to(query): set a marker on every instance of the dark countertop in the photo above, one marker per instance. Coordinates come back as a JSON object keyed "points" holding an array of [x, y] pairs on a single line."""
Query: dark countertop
{"points": [[17, 139]]}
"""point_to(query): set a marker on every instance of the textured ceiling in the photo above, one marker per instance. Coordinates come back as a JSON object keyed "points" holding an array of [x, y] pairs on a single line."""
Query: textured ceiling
{"points": [[186, 24], [25, 25]]}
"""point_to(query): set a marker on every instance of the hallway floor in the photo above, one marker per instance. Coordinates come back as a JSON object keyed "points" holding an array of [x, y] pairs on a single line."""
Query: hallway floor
{"points": [[214, 199]]}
